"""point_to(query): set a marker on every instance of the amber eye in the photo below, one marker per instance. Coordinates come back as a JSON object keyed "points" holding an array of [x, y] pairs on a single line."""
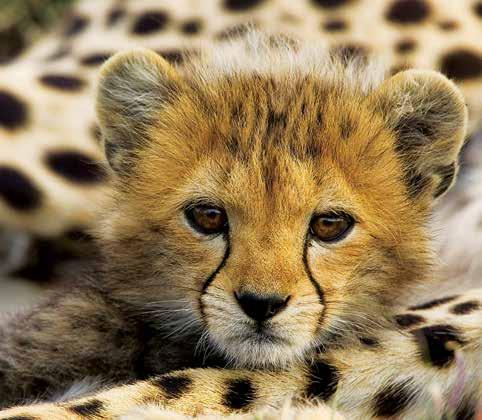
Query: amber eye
{"points": [[207, 219], [331, 227]]}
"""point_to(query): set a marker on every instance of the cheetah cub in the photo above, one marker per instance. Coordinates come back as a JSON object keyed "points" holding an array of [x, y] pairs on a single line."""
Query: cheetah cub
{"points": [[268, 222]]}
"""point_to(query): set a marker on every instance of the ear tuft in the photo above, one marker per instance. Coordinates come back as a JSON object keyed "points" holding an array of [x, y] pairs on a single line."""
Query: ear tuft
{"points": [[428, 114], [133, 88]]}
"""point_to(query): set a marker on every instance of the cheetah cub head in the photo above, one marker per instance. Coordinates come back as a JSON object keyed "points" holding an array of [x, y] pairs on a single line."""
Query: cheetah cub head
{"points": [[270, 198]]}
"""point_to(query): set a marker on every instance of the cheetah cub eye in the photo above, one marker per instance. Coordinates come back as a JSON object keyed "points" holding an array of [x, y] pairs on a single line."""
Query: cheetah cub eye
{"points": [[207, 219], [331, 227]]}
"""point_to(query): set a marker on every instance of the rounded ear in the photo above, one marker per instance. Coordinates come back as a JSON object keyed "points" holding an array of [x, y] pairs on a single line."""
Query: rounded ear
{"points": [[428, 114], [133, 88]]}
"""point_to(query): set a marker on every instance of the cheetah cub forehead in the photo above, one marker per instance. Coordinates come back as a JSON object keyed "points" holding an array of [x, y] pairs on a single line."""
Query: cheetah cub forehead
{"points": [[271, 198]]}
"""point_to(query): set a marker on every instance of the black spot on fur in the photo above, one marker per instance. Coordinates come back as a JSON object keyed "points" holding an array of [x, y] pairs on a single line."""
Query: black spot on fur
{"points": [[95, 132], [408, 11], [370, 341], [239, 395], [408, 320], [149, 22], [13, 112], [400, 67], [237, 114], [350, 51], [156, 228], [330, 4], [465, 307], [45, 256], [12, 43], [62, 82], [175, 56], [59, 53], [233, 146], [78, 234], [335, 25], [434, 342], [191, 27], [319, 117], [447, 175], [417, 184], [76, 167], [93, 407], [21, 418], [276, 120], [22, 342], [39, 385], [235, 31], [466, 410], [347, 127], [322, 381], [408, 127], [4, 366], [115, 15], [461, 64], [173, 386], [95, 59], [478, 9], [241, 5], [405, 46], [433, 303], [448, 25], [393, 399], [17, 190], [75, 25]]}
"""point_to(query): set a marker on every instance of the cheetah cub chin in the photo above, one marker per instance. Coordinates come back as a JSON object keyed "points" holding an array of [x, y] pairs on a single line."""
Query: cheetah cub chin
{"points": [[269, 200]]}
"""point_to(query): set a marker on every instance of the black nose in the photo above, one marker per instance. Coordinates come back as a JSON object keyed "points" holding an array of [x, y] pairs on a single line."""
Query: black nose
{"points": [[261, 307]]}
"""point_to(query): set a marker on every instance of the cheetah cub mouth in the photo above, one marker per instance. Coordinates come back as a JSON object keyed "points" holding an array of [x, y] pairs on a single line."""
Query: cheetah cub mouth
{"points": [[271, 197]]}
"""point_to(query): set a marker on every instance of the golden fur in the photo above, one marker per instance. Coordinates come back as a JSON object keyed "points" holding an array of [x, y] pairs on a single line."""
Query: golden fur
{"points": [[272, 160], [306, 139], [274, 132]]}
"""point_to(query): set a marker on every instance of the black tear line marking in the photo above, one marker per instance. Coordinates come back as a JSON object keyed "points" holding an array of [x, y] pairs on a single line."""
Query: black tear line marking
{"points": [[319, 290], [211, 278]]}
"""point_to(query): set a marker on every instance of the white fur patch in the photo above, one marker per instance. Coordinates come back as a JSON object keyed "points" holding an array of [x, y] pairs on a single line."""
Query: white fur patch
{"points": [[79, 389], [254, 53], [287, 412]]}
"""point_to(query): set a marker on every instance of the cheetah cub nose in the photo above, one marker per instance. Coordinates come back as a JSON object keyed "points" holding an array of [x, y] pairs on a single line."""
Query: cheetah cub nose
{"points": [[261, 307]]}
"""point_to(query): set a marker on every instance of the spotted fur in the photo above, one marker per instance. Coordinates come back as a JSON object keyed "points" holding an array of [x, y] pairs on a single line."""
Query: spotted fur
{"points": [[189, 121], [397, 381], [295, 157]]}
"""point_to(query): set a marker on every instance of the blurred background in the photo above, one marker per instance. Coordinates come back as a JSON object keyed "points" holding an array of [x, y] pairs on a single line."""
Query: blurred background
{"points": [[24, 21], [31, 263]]}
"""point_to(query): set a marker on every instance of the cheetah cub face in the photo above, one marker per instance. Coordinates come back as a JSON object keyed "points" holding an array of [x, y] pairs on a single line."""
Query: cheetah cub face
{"points": [[271, 199]]}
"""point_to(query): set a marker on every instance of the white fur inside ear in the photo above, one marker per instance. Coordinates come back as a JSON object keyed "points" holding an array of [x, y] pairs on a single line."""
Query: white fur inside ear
{"points": [[428, 116], [135, 83], [133, 87]]}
